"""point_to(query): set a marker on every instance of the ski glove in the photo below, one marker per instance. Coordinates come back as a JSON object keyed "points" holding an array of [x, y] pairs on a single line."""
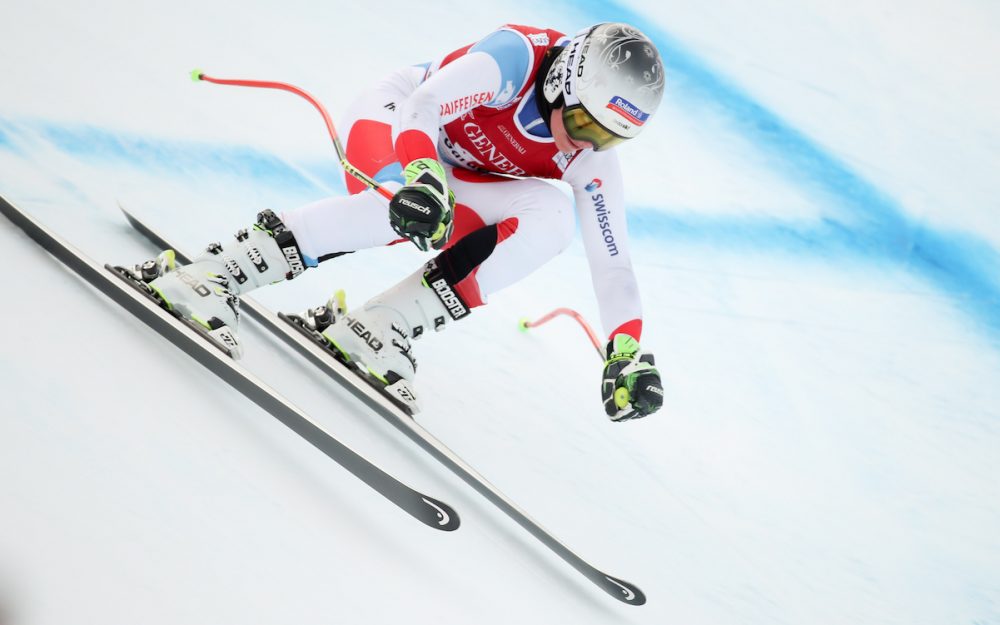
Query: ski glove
{"points": [[422, 210], [631, 385]]}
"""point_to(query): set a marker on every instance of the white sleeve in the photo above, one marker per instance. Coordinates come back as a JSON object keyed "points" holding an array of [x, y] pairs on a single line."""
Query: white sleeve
{"points": [[598, 189], [467, 82]]}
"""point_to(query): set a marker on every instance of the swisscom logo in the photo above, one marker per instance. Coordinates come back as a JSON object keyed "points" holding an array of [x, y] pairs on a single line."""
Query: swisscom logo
{"points": [[628, 110], [594, 185]]}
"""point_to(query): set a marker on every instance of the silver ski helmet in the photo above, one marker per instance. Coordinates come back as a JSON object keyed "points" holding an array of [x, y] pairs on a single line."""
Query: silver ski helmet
{"points": [[609, 79]]}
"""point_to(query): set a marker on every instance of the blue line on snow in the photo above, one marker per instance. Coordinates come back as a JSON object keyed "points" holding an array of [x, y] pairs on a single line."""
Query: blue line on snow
{"points": [[175, 157], [866, 221], [961, 264], [6, 139]]}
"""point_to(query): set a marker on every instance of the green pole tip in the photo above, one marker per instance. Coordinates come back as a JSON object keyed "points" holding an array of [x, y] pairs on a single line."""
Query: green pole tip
{"points": [[196, 75], [522, 324]]}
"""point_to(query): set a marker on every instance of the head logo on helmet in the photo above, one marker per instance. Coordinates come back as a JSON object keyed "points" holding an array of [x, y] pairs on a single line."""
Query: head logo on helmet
{"points": [[609, 81]]}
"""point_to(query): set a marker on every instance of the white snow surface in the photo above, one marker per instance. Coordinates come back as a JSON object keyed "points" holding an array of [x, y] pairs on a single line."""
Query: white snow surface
{"points": [[829, 448]]}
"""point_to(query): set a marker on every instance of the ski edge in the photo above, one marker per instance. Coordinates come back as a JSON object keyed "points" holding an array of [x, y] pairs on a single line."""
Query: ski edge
{"points": [[432, 512], [620, 589]]}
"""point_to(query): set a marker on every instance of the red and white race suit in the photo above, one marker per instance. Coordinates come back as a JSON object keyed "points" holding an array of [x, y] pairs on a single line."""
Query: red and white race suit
{"points": [[475, 111]]}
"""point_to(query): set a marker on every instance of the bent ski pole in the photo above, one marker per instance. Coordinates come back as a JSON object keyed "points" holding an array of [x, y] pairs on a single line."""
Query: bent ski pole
{"points": [[621, 395], [200, 76], [526, 324]]}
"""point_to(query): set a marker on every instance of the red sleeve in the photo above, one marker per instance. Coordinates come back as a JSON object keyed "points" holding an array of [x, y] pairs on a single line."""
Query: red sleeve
{"points": [[632, 328], [414, 144]]}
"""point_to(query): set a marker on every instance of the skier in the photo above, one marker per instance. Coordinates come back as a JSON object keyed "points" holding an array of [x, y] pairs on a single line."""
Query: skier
{"points": [[464, 144]]}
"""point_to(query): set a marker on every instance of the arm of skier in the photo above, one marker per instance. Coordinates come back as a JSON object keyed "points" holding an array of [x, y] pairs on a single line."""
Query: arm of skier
{"points": [[630, 385], [486, 74]]}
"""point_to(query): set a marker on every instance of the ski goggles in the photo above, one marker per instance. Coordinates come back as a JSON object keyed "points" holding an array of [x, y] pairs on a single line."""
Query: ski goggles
{"points": [[582, 126]]}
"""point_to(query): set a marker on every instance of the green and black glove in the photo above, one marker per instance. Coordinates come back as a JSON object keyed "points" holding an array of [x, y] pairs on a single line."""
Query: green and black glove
{"points": [[631, 386], [422, 211]]}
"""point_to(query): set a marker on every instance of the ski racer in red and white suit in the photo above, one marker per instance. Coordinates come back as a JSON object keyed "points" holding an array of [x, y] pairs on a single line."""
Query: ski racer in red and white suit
{"points": [[479, 120], [476, 111]]}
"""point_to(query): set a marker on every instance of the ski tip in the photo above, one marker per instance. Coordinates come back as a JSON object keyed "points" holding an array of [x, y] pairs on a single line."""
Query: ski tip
{"points": [[439, 515], [129, 217], [196, 75], [623, 591]]}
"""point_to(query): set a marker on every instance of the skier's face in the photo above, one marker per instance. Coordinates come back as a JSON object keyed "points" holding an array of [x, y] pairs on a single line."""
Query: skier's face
{"points": [[564, 142]]}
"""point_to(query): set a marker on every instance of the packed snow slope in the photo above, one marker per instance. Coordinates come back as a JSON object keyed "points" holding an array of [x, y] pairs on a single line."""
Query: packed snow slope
{"points": [[814, 216]]}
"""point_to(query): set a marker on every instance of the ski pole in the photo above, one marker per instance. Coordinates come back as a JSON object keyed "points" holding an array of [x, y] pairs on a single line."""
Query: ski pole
{"points": [[525, 324], [622, 396], [200, 76]]}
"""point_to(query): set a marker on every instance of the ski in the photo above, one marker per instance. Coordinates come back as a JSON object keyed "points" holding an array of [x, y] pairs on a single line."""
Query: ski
{"points": [[302, 341], [190, 338]]}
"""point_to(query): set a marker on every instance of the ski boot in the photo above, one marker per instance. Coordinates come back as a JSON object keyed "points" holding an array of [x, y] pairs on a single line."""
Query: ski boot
{"points": [[207, 291], [376, 338]]}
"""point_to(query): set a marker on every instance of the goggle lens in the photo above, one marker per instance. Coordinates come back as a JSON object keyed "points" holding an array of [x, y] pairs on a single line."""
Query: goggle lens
{"points": [[583, 127]]}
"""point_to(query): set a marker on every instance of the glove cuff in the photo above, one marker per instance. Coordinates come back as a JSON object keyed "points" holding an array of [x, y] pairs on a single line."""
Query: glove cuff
{"points": [[621, 346], [426, 171]]}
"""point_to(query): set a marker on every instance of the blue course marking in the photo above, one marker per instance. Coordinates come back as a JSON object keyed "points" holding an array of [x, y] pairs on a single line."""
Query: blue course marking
{"points": [[326, 171], [957, 263], [175, 157], [744, 233], [870, 222], [7, 134]]}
